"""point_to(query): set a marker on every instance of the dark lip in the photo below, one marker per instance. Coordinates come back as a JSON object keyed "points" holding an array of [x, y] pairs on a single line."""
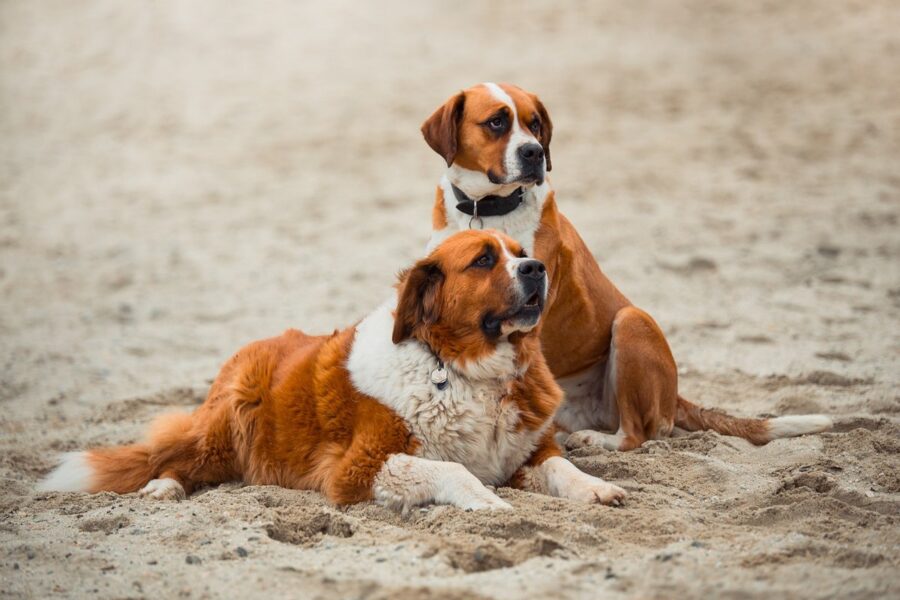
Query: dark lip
{"points": [[525, 178], [529, 178]]}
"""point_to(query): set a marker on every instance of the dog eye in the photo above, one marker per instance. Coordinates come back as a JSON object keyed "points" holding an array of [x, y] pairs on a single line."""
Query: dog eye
{"points": [[535, 127], [498, 124], [485, 260]]}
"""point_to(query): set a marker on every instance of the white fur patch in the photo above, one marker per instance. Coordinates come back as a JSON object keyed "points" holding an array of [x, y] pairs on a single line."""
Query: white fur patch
{"points": [[405, 481], [468, 422], [499, 367], [794, 425], [73, 474], [512, 262], [163, 489]]}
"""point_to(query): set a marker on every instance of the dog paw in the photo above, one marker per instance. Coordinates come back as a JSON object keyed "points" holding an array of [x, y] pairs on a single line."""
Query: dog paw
{"points": [[595, 490], [163, 489]]}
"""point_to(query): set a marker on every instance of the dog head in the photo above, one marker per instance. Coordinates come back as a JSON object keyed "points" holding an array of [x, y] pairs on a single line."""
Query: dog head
{"points": [[494, 138], [474, 291]]}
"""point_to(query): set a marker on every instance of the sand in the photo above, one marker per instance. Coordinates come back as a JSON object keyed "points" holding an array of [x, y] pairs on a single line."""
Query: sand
{"points": [[178, 178]]}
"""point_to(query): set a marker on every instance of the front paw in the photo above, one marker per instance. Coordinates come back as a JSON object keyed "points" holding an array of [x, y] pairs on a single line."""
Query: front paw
{"points": [[595, 490]]}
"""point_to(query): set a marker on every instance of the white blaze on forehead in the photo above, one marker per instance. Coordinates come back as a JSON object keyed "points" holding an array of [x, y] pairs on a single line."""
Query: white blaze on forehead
{"points": [[498, 93], [518, 137], [512, 262]]}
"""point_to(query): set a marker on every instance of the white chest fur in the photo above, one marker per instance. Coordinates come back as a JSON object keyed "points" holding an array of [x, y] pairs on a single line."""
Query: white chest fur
{"points": [[521, 224], [469, 422]]}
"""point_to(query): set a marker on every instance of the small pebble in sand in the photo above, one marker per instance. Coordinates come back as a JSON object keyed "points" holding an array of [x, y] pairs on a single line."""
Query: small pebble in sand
{"points": [[192, 560]]}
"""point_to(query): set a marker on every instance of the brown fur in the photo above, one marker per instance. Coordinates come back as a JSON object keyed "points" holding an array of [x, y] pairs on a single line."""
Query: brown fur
{"points": [[587, 315], [439, 212], [283, 411], [473, 146]]}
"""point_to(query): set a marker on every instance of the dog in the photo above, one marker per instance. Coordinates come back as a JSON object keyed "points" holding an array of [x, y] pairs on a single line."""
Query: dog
{"points": [[610, 357], [439, 392]]}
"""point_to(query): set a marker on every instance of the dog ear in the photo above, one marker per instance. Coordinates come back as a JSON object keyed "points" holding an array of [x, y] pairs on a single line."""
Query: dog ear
{"points": [[418, 298], [441, 129], [546, 128]]}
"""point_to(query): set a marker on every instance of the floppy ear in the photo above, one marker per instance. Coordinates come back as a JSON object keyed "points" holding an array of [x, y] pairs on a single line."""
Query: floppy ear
{"points": [[420, 289], [442, 127], [546, 128]]}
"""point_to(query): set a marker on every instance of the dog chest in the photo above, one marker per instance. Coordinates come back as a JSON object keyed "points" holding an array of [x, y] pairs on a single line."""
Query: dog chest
{"points": [[476, 426], [469, 422]]}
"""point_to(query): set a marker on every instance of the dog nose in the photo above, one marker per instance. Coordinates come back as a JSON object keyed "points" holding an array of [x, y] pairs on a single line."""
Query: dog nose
{"points": [[531, 268], [531, 153]]}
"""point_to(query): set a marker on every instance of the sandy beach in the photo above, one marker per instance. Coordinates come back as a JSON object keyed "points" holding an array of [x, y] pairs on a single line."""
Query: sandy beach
{"points": [[179, 178]]}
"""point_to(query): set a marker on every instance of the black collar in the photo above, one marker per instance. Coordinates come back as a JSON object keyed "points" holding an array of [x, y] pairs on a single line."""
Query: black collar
{"points": [[489, 206]]}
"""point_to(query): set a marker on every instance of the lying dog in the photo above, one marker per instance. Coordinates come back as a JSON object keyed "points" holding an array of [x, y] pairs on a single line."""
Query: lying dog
{"points": [[438, 392], [610, 358]]}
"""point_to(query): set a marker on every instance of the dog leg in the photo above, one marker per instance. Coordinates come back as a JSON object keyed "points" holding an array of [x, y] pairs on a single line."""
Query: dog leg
{"points": [[556, 476], [546, 472], [641, 379], [405, 481], [565, 480]]}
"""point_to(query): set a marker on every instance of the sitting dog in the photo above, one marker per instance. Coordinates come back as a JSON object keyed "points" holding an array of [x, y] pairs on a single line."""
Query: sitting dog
{"points": [[610, 357], [440, 391]]}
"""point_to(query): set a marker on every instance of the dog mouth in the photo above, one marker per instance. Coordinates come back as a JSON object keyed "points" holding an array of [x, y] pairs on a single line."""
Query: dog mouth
{"points": [[533, 301], [528, 312], [522, 317]]}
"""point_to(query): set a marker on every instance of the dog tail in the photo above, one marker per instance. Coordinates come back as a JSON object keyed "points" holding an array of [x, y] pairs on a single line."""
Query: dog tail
{"points": [[121, 469], [691, 417]]}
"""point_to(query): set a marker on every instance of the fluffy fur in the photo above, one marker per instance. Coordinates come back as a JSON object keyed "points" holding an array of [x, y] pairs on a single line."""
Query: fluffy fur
{"points": [[611, 358], [355, 414]]}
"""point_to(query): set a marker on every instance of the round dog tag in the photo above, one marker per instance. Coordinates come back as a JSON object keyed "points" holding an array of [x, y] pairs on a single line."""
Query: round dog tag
{"points": [[439, 376]]}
